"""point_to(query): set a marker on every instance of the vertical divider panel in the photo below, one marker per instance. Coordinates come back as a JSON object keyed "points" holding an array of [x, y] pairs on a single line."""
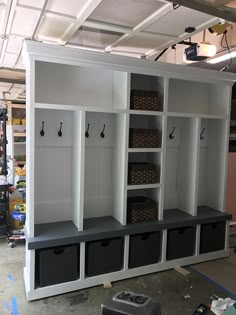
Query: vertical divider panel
{"points": [[78, 167], [163, 160], [224, 153], [121, 90], [30, 145], [126, 253], [82, 261], [197, 243], [196, 166], [227, 235], [188, 167], [29, 271], [164, 246], [120, 167], [163, 155], [120, 153]]}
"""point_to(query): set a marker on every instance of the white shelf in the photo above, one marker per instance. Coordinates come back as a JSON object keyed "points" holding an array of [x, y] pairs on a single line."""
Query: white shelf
{"points": [[148, 186], [20, 143], [79, 108], [145, 112], [196, 115], [140, 150]]}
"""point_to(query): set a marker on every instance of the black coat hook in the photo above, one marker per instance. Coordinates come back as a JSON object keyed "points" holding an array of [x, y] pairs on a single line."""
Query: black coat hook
{"points": [[201, 135], [87, 132], [171, 135], [60, 132], [42, 133], [102, 133]]}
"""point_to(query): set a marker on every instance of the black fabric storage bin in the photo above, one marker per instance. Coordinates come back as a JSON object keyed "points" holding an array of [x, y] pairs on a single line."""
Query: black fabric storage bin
{"points": [[144, 249], [180, 242], [57, 265], [104, 256], [212, 237]]}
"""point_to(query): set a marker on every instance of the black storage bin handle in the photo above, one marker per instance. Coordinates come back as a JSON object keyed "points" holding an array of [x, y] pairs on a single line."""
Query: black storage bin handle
{"points": [[58, 251], [105, 243], [145, 237]]}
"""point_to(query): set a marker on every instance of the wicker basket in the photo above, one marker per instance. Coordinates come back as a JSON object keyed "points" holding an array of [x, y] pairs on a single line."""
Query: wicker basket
{"points": [[142, 173], [145, 100], [144, 138], [141, 209]]}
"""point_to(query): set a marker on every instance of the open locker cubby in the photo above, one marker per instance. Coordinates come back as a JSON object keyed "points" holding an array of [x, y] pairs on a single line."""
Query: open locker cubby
{"points": [[141, 82], [136, 165], [197, 97], [180, 164], [81, 86], [104, 165], [54, 173], [148, 130], [211, 174]]}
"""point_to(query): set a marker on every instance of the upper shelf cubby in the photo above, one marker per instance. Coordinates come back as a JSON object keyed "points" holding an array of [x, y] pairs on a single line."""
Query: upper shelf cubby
{"points": [[146, 92], [89, 88], [197, 97]]}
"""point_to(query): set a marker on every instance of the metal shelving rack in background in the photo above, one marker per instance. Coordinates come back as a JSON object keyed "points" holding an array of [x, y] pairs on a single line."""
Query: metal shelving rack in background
{"points": [[4, 194]]}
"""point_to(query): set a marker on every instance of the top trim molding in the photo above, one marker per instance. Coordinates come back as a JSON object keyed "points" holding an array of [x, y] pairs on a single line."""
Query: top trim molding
{"points": [[38, 51]]}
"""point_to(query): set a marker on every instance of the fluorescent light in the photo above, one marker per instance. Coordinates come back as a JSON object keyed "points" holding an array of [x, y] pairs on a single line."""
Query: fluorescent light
{"points": [[222, 57]]}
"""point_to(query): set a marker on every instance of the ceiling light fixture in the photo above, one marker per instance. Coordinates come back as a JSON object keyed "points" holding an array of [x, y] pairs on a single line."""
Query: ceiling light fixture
{"points": [[222, 57]]}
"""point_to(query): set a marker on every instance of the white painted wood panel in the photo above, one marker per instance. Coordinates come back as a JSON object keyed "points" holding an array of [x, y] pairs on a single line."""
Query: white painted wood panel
{"points": [[53, 187], [52, 119], [180, 164], [120, 168], [78, 167], [212, 165], [71, 85]]}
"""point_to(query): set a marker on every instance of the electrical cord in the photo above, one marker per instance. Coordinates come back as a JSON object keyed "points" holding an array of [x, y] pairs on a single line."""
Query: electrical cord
{"points": [[228, 48]]}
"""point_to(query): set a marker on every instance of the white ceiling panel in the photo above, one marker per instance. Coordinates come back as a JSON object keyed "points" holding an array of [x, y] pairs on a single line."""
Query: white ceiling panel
{"points": [[54, 27], [15, 89], [175, 22], [9, 60], [94, 38], [25, 21], [20, 64], [69, 7], [2, 18], [1, 43], [142, 43], [4, 86], [14, 45], [125, 12], [32, 3]]}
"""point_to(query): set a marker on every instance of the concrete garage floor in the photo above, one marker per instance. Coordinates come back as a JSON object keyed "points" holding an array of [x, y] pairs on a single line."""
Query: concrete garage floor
{"points": [[168, 288]]}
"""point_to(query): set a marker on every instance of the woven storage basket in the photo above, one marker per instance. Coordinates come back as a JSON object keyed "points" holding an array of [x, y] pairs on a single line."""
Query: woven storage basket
{"points": [[141, 209], [142, 173], [144, 138], [145, 100]]}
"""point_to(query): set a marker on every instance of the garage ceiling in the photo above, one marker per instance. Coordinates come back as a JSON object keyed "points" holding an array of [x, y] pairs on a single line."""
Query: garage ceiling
{"points": [[130, 27]]}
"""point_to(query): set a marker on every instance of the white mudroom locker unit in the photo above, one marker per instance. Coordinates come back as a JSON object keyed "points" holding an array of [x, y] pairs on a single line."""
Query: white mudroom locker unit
{"points": [[115, 188]]}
